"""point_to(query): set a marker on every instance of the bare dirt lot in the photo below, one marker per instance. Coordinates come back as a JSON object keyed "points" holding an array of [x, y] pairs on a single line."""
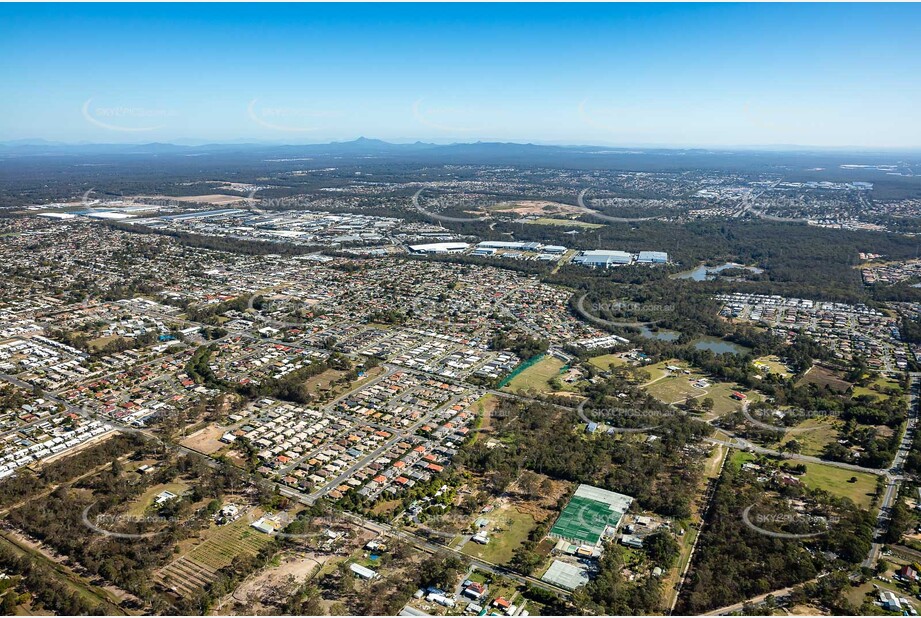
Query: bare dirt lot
{"points": [[824, 377], [536, 207], [216, 199], [275, 583], [207, 440]]}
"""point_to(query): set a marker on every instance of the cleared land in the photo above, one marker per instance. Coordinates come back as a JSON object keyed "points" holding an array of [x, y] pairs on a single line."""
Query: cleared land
{"points": [[675, 388], [773, 364], [564, 222], [536, 376], [101, 342], [483, 408], [605, 360], [836, 481], [824, 377], [206, 440], [536, 207], [146, 499], [877, 387], [216, 199], [507, 530], [824, 432]]}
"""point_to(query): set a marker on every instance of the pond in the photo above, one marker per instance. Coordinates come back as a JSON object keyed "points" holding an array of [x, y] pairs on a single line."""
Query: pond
{"points": [[663, 334], [719, 346], [704, 273]]}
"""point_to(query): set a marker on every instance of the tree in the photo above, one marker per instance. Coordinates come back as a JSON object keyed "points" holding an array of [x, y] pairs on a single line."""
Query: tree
{"points": [[662, 548]]}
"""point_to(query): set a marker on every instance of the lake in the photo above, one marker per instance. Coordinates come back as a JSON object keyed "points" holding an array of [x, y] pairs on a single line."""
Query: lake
{"points": [[718, 346], [663, 334]]}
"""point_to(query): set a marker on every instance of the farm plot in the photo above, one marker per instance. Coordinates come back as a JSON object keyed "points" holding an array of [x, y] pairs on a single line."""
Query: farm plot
{"points": [[198, 567]]}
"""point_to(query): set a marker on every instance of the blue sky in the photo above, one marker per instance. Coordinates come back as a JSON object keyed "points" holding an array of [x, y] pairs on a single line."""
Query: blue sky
{"points": [[692, 74]]}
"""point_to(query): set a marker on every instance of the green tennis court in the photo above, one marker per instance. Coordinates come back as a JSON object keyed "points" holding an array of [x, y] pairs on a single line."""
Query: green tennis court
{"points": [[588, 513]]}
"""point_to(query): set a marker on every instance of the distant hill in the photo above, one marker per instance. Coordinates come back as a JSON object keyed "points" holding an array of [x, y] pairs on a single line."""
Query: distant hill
{"points": [[366, 153]]}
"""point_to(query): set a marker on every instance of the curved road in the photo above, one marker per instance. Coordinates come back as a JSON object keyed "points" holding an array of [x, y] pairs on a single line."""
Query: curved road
{"points": [[589, 211]]}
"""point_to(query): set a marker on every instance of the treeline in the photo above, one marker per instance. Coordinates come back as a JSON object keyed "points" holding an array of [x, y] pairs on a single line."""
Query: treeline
{"points": [[290, 387], [523, 346], [208, 313], [734, 562], [862, 417], [660, 474], [58, 521], [910, 329], [389, 316], [42, 584], [199, 369], [24, 484], [118, 344]]}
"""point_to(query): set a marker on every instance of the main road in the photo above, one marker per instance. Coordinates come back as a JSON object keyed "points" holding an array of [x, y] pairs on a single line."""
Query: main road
{"points": [[894, 473]]}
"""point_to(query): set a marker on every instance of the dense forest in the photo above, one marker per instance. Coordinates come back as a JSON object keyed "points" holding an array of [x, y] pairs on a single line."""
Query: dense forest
{"points": [[733, 562], [540, 437]]}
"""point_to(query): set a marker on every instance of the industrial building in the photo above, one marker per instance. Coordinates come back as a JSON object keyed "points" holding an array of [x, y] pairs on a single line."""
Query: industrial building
{"points": [[566, 575], [652, 257], [440, 247], [507, 245], [603, 258]]}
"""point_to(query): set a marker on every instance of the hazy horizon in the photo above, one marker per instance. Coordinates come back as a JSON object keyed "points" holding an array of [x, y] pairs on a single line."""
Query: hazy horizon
{"points": [[198, 143], [656, 75]]}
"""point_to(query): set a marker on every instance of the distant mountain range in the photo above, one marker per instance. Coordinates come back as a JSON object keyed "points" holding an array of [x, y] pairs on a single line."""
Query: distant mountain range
{"points": [[380, 155], [364, 145]]}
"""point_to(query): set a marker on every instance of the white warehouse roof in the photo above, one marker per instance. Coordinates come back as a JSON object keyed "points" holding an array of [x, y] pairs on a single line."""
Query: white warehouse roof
{"points": [[439, 247]]}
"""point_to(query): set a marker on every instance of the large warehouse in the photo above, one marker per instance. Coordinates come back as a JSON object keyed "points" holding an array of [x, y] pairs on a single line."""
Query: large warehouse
{"points": [[652, 257], [439, 247], [591, 514], [602, 258]]}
